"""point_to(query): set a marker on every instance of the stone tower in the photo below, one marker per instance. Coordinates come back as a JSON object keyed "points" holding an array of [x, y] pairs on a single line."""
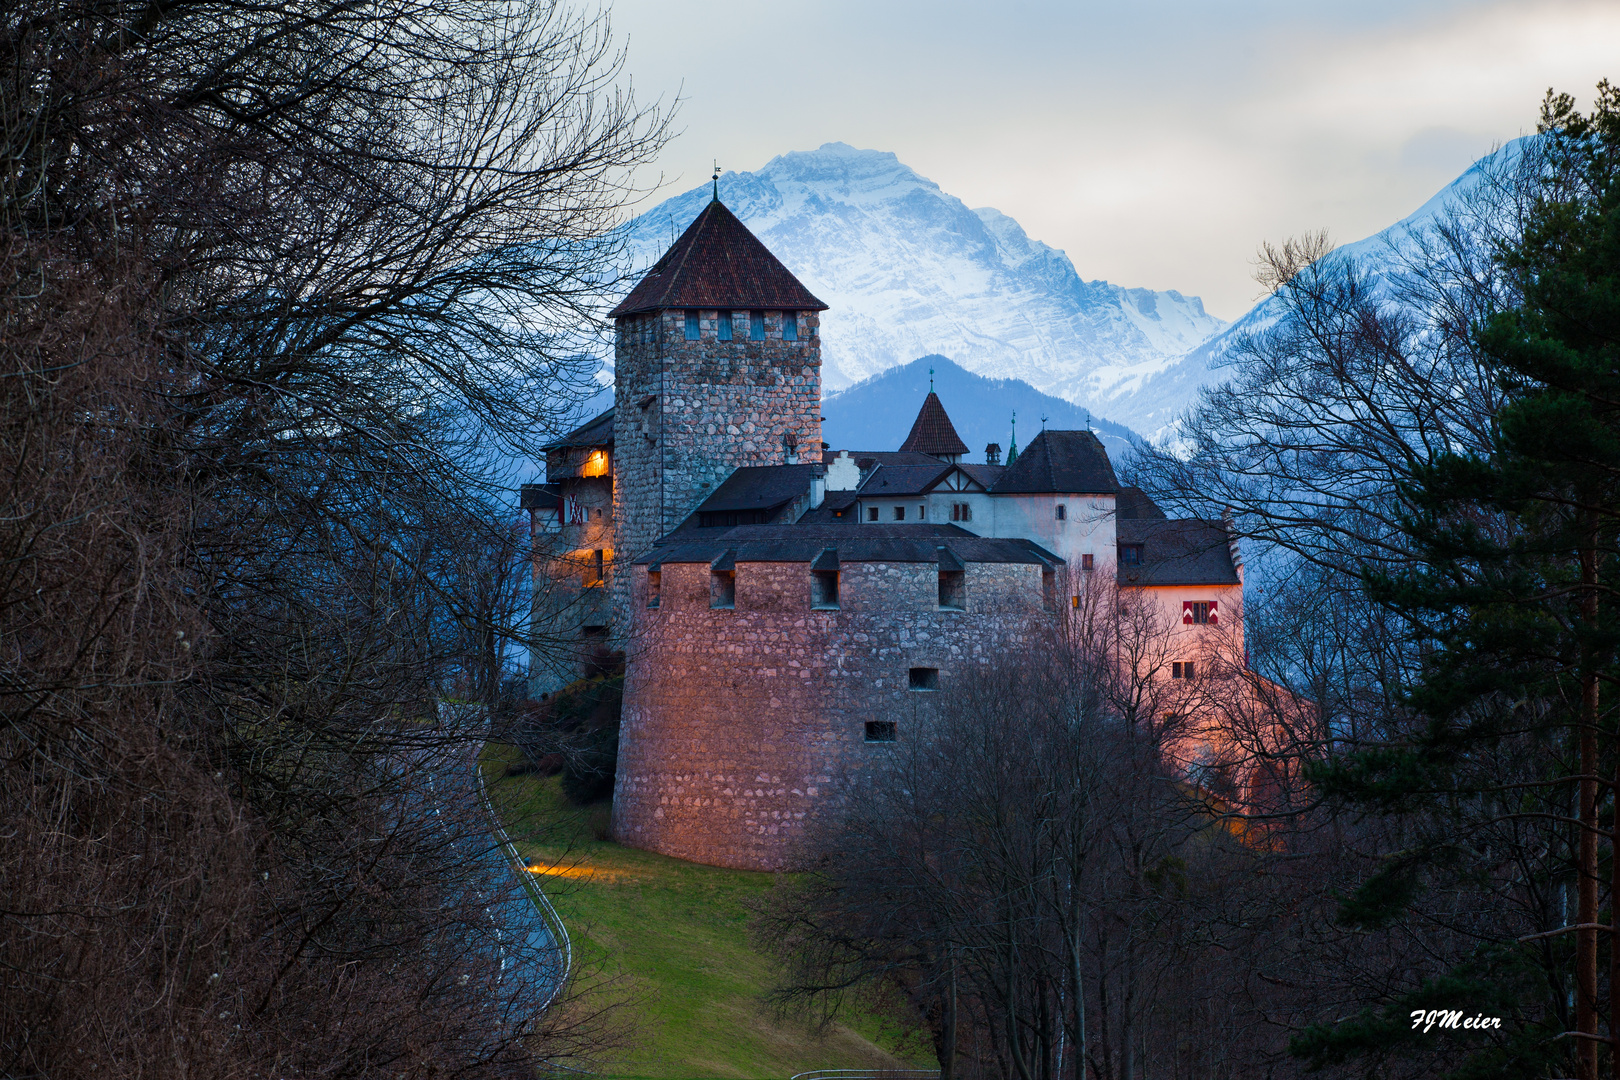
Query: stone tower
{"points": [[717, 365]]}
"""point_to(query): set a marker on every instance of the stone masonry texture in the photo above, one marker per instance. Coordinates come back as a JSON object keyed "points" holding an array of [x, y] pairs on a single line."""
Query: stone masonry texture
{"points": [[743, 729]]}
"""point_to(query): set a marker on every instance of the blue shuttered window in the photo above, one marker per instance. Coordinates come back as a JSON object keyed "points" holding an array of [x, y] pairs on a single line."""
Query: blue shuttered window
{"points": [[756, 326], [692, 326], [790, 326]]}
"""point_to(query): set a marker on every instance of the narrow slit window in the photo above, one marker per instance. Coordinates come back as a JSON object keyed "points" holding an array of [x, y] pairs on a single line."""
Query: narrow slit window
{"points": [[1062, 512], [790, 326], [723, 326], [722, 588], [756, 326], [924, 678], [694, 326], [880, 731], [595, 569], [824, 590]]}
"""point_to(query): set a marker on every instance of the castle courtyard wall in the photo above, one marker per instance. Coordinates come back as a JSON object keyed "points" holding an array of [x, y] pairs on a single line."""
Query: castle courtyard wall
{"points": [[744, 729]]}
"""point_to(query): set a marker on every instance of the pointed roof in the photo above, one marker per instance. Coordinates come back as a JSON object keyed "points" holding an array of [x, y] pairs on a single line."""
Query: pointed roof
{"points": [[933, 433], [1060, 462], [718, 263]]}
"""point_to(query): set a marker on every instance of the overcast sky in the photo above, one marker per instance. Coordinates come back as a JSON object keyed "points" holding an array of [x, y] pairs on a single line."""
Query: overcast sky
{"points": [[1156, 143]]}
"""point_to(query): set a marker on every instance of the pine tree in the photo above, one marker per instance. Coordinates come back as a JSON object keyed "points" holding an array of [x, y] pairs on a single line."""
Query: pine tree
{"points": [[1514, 606]]}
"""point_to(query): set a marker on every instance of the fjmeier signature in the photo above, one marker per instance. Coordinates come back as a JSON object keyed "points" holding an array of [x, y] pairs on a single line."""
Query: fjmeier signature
{"points": [[1451, 1018]]}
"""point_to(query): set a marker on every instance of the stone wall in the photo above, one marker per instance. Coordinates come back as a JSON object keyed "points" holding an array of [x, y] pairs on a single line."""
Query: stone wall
{"points": [[745, 727], [689, 412]]}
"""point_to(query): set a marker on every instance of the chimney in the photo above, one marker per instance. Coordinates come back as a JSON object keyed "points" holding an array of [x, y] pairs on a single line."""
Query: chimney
{"points": [[818, 486], [992, 454], [1232, 542]]}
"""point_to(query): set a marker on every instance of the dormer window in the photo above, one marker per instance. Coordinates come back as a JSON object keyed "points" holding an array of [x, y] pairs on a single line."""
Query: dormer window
{"points": [[790, 326], [694, 326], [756, 326], [723, 327], [1130, 554]]}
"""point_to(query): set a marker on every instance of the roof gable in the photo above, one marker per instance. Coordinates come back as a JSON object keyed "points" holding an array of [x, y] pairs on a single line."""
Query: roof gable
{"points": [[718, 263], [1060, 462], [932, 432]]}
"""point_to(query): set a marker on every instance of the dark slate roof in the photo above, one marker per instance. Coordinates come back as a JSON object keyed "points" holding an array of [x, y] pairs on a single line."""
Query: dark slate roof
{"points": [[1132, 503], [1183, 552], [888, 480], [718, 263], [932, 431], [834, 508], [984, 474], [854, 543], [595, 432], [865, 460], [1060, 462], [760, 487], [539, 496]]}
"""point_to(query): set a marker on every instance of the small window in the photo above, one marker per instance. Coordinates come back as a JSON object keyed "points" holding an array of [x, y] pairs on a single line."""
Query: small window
{"points": [[723, 326], [824, 590], [899, 513], [722, 588], [595, 569], [790, 326], [871, 513], [655, 587], [596, 514], [880, 731], [756, 326], [1130, 554], [952, 590], [1183, 669], [924, 678], [1049, 601], [922, 512], [1087, 564], [694, 327], [1200, 612], [1062, 512]]}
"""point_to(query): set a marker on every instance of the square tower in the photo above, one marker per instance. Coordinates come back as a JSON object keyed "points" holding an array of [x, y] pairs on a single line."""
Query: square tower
{"points": [[717, 365]]}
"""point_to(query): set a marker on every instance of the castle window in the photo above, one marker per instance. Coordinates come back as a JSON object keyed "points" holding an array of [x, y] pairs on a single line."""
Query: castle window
{"points": [[595, 569], [924, 678], [723, 327], [824, 590], [952, 590], [722, 588], [756, 326], [961, 511], [899, 513], [1062, 512], [1183, 669], [1130, 554], [655, 587], [790, 326], [880, 731], [1199, 610], [1087, 564], [1049, 600], [694, 327], [871, 513]]}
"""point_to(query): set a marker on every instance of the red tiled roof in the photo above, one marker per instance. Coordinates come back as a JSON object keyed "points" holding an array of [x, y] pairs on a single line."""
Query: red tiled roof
{"points": [[718, 263], [933, 433]]}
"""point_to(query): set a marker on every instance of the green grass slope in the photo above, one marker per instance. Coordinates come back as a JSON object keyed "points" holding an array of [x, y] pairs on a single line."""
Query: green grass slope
{"points": [[679, 932]]}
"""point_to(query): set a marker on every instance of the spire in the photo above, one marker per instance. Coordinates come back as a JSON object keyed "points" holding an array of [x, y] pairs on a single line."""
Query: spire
{"points": [[1012, 447], [930, 378], [933, 433], [716, 181]]}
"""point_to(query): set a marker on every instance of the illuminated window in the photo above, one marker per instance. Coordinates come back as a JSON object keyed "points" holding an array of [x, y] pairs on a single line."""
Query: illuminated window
{"points": [[595, 569]]}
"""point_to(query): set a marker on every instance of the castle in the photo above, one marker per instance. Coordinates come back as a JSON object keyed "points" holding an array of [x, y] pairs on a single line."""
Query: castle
{"points": [[787, 607]]}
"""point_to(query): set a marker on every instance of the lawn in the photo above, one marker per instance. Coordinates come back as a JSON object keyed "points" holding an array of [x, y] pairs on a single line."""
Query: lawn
{"points": [[678, 932]]}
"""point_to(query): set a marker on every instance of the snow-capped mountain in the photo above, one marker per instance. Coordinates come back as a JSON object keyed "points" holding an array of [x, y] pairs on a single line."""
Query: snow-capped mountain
{"points": [[909, 270]]}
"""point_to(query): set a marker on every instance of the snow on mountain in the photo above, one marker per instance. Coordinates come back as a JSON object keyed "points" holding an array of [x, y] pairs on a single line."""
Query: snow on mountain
{"points": [[1376, 257], [909, 271]]}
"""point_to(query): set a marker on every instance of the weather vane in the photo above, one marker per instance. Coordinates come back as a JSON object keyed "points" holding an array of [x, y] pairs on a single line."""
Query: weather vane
{"points": [[716, 179], [930, 378]]}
